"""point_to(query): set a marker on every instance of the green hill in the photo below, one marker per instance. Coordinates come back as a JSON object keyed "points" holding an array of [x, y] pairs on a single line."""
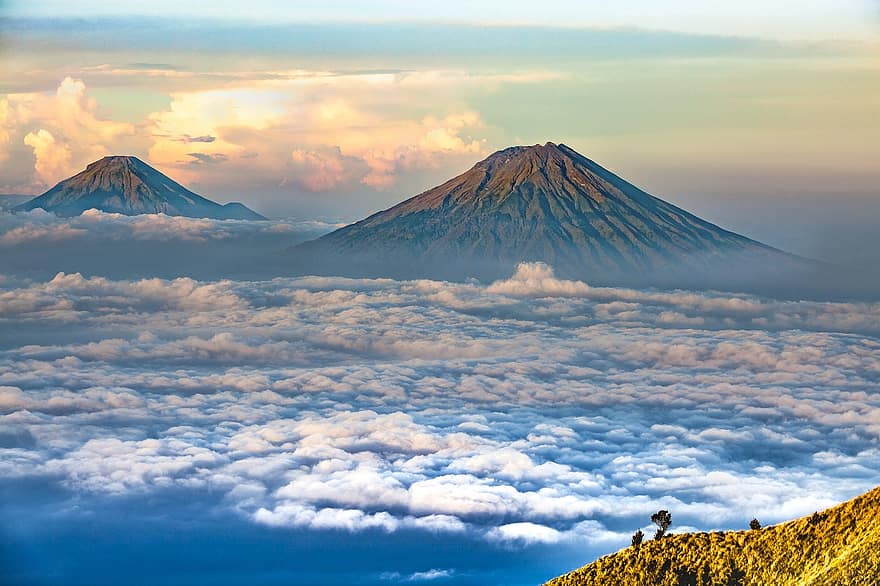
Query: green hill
{"points": [[836, 547]]}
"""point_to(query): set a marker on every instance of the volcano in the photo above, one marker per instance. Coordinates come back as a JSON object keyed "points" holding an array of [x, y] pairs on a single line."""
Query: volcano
{"points": [[127, 185], [544, 203]]}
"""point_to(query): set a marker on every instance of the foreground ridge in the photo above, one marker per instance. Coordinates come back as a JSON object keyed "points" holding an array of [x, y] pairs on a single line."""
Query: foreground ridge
{"points": [[836, 547]]}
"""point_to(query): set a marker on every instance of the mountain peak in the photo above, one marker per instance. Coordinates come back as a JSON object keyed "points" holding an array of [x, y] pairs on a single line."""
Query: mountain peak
{"points": [[116, 161], [115, 158], [534, 148], [548, 170], [122, 172], [125, 184], [544, 202], [543, 152]]}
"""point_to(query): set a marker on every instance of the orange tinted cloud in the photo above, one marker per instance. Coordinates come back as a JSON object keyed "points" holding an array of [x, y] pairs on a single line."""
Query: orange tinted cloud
{"points": [[316, 132], [64, 130]]}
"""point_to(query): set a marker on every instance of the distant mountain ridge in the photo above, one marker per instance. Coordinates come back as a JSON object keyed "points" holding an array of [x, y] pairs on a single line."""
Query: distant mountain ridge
{"points": [[127, 185], [538, 203], [9, 201], [836, 547]]}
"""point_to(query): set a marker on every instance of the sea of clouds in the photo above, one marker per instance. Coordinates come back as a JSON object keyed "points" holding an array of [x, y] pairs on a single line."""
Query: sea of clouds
{"points": [[515, 414], [529, 410]]}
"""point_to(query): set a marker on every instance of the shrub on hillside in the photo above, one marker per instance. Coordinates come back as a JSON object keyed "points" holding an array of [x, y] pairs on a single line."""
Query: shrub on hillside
{"points": [[662, 519]]}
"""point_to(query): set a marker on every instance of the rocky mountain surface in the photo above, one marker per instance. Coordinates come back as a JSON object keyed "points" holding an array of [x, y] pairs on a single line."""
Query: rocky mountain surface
{"points": [[127, 185], [538, 203]]}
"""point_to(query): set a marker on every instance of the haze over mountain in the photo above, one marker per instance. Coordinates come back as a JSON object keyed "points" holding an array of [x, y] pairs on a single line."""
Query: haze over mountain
{"points": [[129, 186], [8, 201], [538, 203], [835, 547]]}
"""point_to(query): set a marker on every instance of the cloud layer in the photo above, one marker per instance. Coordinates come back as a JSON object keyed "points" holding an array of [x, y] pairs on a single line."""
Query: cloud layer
{"points": [[38, 245], [530, 411]]}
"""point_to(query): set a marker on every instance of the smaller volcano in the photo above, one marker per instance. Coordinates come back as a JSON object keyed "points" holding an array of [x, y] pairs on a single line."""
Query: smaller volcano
{"points": [[127, 185]]}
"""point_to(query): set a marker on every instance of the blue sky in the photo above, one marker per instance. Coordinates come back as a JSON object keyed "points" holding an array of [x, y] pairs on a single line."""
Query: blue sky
{"points": [[788, 19]]}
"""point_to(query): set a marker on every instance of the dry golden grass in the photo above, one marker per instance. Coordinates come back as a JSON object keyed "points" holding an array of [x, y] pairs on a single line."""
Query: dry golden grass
{"points": [[837, 547]]}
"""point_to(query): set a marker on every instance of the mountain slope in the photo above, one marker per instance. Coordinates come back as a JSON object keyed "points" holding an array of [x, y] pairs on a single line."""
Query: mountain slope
{"points": [[837, 547], [540, 203], [127, 185]]}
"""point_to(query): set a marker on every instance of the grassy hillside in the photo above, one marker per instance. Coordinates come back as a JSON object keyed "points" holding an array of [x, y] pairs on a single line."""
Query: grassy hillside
{"points": [[837, 547]]}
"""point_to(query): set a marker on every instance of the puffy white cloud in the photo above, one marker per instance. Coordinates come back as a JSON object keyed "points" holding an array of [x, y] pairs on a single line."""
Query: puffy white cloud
{"points": [[535, 279], [291, 514], [40, 226], [296, 515], [411, 145], [319, 170], [64, 129], [112, 465], [432, 574], [526, 533], [319, 132], [526, 412], [218, 113], [52, 158], [80, 294], [42, 233]]}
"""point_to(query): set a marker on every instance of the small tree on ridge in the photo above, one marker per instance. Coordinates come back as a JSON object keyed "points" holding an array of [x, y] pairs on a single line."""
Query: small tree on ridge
{"points": [[662, 519]]}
